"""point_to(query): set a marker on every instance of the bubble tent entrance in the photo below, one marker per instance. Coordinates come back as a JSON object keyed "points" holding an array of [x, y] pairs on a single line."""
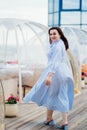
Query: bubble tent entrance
{"points": [[23, 49]]}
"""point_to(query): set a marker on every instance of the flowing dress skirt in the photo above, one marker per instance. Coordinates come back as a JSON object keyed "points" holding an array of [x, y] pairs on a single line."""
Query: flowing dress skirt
{"points": [[59, 95]]}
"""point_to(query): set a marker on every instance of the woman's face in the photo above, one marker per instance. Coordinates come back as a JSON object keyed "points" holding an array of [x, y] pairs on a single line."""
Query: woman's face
{"points": [[54, 35]]}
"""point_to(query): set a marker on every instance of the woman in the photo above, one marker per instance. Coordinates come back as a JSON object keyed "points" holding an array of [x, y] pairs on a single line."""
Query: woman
{"points": [[55, 88]]}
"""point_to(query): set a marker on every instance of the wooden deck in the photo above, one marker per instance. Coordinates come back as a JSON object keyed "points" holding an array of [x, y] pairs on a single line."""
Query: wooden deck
{"points": [[31, 116]]}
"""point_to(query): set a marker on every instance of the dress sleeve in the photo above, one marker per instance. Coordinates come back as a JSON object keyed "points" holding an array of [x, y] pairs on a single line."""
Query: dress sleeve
{"points": [[56, 58]]}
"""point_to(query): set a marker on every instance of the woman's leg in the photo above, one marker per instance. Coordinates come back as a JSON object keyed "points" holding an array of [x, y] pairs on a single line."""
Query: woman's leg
{"points": [[64, 125], [64, 118], [49, 121], [49, 115]]}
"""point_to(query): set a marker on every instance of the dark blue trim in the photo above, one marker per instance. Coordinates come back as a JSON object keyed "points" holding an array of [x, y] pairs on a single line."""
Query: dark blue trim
{"points": [[60, 6], [80, 5]]}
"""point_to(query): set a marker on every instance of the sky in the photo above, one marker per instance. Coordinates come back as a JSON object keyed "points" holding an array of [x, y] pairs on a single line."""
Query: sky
{"points": [[33, 10]]}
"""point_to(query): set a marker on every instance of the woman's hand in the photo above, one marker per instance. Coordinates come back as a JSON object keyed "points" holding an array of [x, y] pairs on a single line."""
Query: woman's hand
{"points": [[49, 79]]}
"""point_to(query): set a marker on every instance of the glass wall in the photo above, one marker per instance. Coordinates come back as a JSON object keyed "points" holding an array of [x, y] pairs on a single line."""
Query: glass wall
{"points": [[67, 13]]}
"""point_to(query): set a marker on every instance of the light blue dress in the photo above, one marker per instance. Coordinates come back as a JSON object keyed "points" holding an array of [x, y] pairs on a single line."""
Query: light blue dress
{"points": [[60, 94]]}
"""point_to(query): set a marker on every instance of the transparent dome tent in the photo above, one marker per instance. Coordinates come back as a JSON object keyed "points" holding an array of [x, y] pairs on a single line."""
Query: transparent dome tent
{"points": [[23, 54], [82, 38], [78, 44], [23, 50]]}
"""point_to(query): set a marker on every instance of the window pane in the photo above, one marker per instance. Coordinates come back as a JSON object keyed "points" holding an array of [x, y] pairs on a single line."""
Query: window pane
{"points": [[71, 4], [84, 27], [70, 18], [50, 6], [50, 19], [84, 17], [56, 18], [56, 5], [84, 4]]}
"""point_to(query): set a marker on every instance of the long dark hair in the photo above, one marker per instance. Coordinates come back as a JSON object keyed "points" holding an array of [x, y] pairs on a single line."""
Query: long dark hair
{"points": [[61, 36]]}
